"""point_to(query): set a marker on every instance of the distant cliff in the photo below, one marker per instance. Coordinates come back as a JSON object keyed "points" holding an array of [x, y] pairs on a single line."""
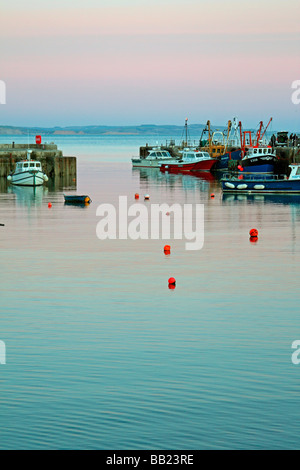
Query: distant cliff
{"points": [[149, 129]]}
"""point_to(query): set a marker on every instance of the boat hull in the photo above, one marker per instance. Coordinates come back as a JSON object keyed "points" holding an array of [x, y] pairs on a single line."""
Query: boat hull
{"points": [[28, 178], [261, 186], [224, 160], [260, 164], [204, 165], [77, 199], [144, 163]]}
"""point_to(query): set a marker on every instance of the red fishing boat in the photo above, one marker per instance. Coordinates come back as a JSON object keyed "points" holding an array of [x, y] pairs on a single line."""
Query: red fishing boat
{"points": [[191, 160]]}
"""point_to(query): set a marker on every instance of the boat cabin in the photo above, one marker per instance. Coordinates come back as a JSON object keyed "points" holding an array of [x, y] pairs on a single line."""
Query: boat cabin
{"points": [[259, 151], [159, 155], [28, 166], [195, 155]]}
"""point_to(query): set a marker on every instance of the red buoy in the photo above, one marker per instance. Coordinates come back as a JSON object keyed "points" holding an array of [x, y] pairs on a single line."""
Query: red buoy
{"points": [[49, 205], [136, 196], [167, 249], [212, 195], [172, 281], [253, 233]]}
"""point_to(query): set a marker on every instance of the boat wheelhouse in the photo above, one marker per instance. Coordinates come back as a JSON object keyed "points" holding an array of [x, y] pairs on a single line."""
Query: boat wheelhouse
{"points": [[154, 159]]}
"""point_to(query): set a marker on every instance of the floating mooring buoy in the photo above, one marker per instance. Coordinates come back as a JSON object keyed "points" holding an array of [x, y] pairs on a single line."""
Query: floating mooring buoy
{"points": [[253, 233], [167, 249]]}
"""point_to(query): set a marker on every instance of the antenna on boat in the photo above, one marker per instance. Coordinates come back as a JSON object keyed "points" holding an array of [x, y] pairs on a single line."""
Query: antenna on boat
{"points": [[185, 135], [186, 131]]}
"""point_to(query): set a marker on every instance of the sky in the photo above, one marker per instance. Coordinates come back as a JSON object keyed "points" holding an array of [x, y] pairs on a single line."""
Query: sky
{"points": [[129, 62]]}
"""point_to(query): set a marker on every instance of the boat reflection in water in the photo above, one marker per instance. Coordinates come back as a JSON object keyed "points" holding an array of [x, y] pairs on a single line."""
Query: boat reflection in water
{"points": [[28, 196], [154, 174], [199, 182], [279, 199]]}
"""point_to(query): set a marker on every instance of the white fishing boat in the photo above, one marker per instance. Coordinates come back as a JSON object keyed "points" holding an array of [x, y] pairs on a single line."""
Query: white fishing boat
{"points": [[154, 159], [28, 173]]}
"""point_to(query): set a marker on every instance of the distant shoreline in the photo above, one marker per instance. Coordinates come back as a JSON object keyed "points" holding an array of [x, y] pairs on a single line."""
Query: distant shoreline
{"points": [[142, 130]]}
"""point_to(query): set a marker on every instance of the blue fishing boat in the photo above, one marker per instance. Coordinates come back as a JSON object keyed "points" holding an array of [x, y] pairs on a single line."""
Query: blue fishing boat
{"points": [[76, 199], [259, 160], [257, 156], [263, 184]]}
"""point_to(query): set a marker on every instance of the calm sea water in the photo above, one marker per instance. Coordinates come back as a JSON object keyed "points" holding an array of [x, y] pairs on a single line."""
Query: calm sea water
{"points": [[102, 355]]}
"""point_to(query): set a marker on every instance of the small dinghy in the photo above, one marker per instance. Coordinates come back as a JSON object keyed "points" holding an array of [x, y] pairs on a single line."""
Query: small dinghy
{"points": [[76, 199]]}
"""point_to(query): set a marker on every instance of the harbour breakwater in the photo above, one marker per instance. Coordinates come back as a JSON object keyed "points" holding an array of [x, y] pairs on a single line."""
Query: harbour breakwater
{"points": [[54, 163]]}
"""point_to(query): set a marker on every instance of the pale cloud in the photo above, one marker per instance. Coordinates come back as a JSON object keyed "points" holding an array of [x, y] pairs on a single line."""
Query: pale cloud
{"points": [[127, 17]]}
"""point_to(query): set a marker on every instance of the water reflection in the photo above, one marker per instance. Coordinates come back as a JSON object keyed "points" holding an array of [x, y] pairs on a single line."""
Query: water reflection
{"points": [[198, 180], [61, 183], [279, 199], [28, 196]]}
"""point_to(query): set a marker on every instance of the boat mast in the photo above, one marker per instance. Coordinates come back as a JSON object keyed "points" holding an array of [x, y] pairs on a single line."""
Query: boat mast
{"points": [[266, 128], [228, 134], [209, 136], [186, 132], [258, 134]]}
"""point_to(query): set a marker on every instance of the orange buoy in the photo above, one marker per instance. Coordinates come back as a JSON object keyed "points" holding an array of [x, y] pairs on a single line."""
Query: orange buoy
{"points": [[253, 233], [136, 196], [172, 281], [87, 200], [49, 205], [167, 249], [212, 195]]}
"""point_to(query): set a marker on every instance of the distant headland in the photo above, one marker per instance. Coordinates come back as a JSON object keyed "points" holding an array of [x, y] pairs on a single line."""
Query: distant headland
{"points": [[144, 129]]}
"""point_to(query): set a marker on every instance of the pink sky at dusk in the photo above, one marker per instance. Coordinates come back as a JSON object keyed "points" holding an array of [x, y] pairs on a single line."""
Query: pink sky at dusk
{"points": [[118, 63]]}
